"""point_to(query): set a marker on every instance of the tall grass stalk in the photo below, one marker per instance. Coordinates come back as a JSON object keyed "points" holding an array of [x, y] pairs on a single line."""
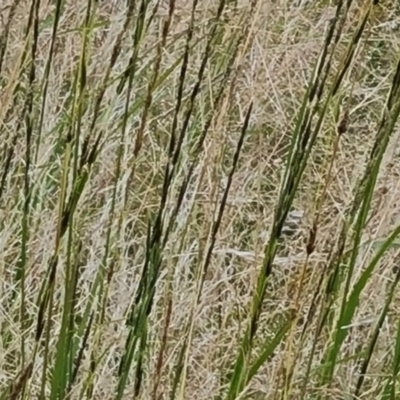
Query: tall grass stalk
{"points": [[153, 158], [303, 139]]}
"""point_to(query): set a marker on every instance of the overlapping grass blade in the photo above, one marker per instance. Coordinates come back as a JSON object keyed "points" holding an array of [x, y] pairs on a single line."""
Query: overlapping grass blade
{"points": [[364, 197], [303, 139]]}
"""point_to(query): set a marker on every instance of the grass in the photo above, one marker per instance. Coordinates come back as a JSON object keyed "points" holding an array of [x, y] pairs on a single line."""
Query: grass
{"points": [[199, 200]]}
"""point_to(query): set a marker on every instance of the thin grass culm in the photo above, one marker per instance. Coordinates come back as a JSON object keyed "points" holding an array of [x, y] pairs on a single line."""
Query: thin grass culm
{"points": [[199, 200]]}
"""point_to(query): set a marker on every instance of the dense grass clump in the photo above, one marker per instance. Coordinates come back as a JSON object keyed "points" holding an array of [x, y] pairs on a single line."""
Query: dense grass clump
{"points": [[198, 199]]}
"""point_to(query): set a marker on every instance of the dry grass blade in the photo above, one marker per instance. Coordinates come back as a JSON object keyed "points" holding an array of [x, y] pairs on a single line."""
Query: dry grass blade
{"points": [[198, 199]]}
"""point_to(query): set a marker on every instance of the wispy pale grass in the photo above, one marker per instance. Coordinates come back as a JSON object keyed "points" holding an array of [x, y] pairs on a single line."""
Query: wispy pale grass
{"points": [[198, 199]]}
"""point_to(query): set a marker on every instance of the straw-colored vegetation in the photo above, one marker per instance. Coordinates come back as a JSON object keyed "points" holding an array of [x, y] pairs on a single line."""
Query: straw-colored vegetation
{"points": [[199, 199]]}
